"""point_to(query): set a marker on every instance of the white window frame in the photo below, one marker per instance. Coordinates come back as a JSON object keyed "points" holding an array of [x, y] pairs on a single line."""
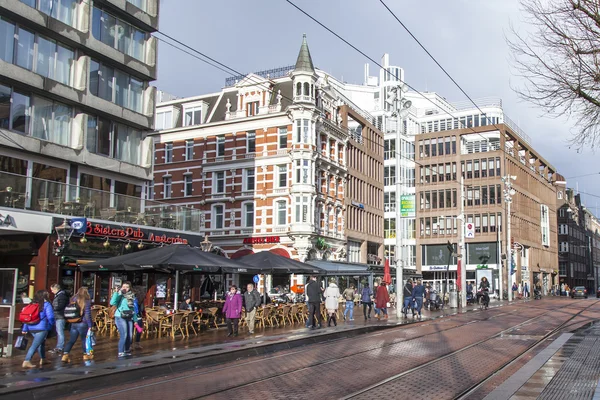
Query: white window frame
{"points": [[161, 121], [249, 172], [250, 139], [277, 209], [192, 108], [281, 133], [168, 153], [281, 174], [188, 180], [220, 150], [167, 183], [213, 219], [216, 180], [245, 214], [189, 149]]}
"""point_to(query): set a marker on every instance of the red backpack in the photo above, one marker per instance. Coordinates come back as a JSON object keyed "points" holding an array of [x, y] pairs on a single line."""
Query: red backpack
{"points": [[30, 314]]}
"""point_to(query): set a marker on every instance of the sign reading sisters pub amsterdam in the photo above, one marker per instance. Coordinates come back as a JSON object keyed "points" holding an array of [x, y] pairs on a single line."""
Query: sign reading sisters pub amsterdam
{"points": [[261, 240]]}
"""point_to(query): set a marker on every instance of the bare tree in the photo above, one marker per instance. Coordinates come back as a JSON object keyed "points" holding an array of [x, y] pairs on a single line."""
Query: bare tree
{"points": [[559, 60]]}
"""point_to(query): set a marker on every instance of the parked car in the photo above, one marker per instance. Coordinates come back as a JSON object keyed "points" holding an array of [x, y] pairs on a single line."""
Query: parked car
{"points": [[579, 291]]}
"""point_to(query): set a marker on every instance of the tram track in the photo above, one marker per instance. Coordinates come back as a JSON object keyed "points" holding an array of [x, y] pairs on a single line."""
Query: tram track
{"points": [[335, 358], [472, 388]]}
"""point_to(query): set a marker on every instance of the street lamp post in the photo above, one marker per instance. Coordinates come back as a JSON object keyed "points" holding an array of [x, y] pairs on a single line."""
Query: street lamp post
{"points": [[399, 110], [509, 192]]}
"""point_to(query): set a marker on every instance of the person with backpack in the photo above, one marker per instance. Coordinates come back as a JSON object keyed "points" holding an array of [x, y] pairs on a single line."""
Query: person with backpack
{"points": [[252, 302], [79, 314], [366, 301], [58, 304], [37, 318], [408, 288], [123, 303]]}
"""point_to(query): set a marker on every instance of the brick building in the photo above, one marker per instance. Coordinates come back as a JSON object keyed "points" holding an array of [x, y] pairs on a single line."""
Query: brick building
{"points": [[275, 162], [484, 155]]}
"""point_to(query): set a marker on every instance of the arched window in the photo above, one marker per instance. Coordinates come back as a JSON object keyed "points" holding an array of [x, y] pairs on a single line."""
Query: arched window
{"points": [[559, 195], [306, 89], [298, 89]]}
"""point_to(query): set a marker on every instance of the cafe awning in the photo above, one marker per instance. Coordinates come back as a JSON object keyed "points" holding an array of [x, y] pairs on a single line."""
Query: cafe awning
{"points": [[341, 268], [271, 263]]}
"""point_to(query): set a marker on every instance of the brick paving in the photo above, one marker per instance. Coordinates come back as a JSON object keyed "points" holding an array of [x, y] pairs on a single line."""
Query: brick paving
{"points": [[347, 366]]}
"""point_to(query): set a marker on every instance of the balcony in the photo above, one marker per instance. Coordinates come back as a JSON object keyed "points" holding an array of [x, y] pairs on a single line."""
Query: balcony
{"points": [[21, 192]]}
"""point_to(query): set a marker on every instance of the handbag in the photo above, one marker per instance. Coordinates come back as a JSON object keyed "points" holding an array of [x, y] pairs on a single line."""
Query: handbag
{"points": [[127, 314], [21, 343]]}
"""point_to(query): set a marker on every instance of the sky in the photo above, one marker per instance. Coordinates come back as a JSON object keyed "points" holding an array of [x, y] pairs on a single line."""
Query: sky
{"points": [[467, 37]]}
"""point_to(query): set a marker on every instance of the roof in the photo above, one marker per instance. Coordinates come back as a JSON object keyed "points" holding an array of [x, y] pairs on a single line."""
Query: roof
{"points": [[304, 62], [341, 268]]}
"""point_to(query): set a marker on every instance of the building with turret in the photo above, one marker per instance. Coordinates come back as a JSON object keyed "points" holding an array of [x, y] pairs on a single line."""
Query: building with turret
{"points": [[275, 161]]}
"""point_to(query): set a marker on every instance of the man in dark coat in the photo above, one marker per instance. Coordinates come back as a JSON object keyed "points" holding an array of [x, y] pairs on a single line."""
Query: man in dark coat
{"points": [[61, 300], [251, 302], [313, 292]]}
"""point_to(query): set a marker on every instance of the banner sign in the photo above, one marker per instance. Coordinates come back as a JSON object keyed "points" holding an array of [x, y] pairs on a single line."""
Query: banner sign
{"points": [[407, 205]]}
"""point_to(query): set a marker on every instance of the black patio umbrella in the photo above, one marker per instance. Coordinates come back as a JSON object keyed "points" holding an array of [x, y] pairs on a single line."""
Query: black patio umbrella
{"points": [[272, 263]]}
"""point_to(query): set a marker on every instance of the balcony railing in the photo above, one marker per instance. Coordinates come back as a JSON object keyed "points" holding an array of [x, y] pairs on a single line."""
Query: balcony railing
{"points": [[18, 191]]}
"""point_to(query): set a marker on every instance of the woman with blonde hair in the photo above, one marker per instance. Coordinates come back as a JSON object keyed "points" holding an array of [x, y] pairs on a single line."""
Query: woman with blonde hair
{"points": [[79, 313]]}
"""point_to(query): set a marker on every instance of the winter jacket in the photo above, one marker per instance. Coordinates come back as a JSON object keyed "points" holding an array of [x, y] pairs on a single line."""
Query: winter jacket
{"points": [[382, 297], [366, 295], [119, 300], [332, 297], [349, 294], [59, 303], [87, 312], [233, 306], [418, 291], [251, 300], [313, 292], [484, 285], [46, 320]]}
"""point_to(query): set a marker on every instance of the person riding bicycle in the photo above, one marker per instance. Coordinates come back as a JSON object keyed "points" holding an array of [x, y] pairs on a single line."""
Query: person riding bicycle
{"points": [[484, 288]]}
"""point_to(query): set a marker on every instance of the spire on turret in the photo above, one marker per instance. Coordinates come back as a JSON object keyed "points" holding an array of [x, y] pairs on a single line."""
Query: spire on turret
{"points": [[304, 62]]}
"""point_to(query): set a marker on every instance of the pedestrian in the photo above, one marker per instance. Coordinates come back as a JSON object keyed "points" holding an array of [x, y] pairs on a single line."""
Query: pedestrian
{"points": [[332, 301], [58, 304], [186, 304], [79, 315], [39, 329], [366, 299], [562, 289], [232, 310], [124, 300], [314, 294], [514, 290], [252, 302], [382, 297], [520, 290], [526, 289], [407, 291], [417, 297], [140, 311], [349, 296]]}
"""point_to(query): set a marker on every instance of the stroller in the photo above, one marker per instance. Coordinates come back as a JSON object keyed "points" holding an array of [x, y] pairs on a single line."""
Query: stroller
{"points": [[537, 295], [470, 298]]}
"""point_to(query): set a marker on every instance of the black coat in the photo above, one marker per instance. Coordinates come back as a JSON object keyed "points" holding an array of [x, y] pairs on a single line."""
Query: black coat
{"points": [[313, 292], [251, 300], [61, 300]]}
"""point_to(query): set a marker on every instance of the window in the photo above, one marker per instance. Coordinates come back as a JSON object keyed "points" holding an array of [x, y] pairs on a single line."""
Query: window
{"points": [[302, 171], [192, 116], [389, 175], [251, 142], [187, 182], [118, 34], [220, 146], [282, 176], [189, 150], [249, 179], [281, 213], [282, 138], [218, 217], [164, 120], [116, 86], [62, 10], [249, 215], [302, 209], [113, 140], [252, 108], [51, 121], [168, 152], [167, 187], [302, 130], [219, 183], [15, 110]]}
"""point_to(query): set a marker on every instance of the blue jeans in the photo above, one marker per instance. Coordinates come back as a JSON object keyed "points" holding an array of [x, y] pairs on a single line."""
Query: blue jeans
{"points": [[78, 329], [125, 328], [39, 344], [407, 304], [349, 307], [419, 304], [60, 333], [379, 310]]}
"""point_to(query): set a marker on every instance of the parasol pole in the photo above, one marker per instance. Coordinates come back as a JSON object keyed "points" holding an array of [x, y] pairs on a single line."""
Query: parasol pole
{"points": [[176, 296]]}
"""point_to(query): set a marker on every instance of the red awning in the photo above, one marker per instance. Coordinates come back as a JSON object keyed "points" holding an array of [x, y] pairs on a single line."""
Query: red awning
{"points": [[241, 253], [280, 252]]}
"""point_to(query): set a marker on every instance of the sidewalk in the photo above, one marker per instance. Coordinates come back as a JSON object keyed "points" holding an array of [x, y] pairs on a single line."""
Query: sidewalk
{"points": [[211, 346]]}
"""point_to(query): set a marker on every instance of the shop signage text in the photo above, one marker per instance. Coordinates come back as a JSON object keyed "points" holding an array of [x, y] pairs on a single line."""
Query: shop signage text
{"points": [[130, 233], [261, 240]]}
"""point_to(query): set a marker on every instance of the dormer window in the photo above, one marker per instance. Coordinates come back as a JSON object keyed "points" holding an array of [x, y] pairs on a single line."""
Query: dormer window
{"points": [[252, 108], [192, 116]]}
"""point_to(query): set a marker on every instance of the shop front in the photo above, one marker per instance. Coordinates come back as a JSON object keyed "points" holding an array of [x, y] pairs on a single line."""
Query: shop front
{"points": [[92, 240]]}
